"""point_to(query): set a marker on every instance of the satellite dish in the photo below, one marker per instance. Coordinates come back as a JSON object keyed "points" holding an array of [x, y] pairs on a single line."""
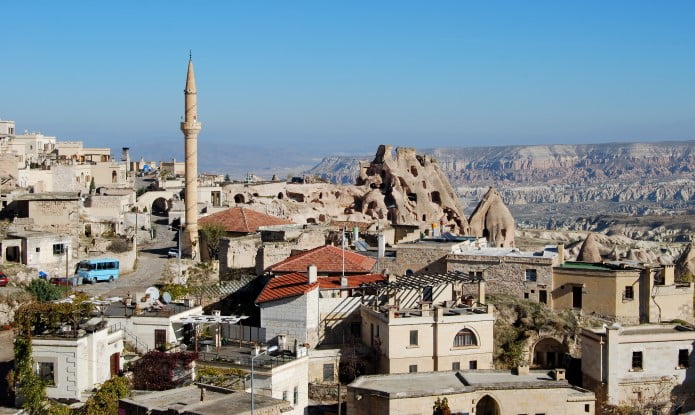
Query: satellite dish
{"points": [[166, 298], [183, 347], [153, 292]]}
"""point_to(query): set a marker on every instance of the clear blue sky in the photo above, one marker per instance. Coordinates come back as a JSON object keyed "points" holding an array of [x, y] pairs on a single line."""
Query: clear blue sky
{"points": [[343, 76]]}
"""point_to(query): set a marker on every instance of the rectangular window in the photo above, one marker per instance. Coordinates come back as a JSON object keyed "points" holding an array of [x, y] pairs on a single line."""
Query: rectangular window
{"points": [[637, 363], [413, 337], [38, 249], [473, 365], [629, 292], [45, 372], [328, 370], [427, 294], [683, 360], [412, 368], [295, 397], [355, 329], [577, 297], [58, 249], [587, 407], [531, 275], [284, 395], [456, 366]]}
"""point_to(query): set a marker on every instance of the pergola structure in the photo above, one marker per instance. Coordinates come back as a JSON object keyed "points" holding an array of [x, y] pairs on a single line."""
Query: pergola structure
{"points": [[217, 319], [420, 281]]}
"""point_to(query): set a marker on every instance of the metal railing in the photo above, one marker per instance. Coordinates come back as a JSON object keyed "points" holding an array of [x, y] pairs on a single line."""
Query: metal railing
{"points": [[140, 345]]}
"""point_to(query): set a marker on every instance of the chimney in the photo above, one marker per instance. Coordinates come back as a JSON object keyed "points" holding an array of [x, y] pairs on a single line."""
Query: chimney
{"points": [[560, 254], [558, 374], [669, 276], [481, 291], [312, 274], [381, 246], [522, 369], [343, 281]]}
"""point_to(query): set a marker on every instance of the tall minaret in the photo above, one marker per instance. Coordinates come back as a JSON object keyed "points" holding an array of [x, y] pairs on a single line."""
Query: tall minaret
{"points": [[191, 127]]}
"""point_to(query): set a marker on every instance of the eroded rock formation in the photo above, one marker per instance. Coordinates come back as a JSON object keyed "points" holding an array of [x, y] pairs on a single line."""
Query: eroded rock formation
{"points": [[492, 219], [409, 189], [685, 265], [590, 250], [401, 187]]}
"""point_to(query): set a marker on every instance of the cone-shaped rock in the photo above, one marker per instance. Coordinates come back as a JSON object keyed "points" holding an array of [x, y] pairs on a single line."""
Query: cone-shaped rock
{"points": [[492, 219], [590, 250], [685, 265]]}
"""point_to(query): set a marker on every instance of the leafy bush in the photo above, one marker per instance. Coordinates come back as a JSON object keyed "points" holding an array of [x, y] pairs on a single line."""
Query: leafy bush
{"points": [[105, 399], [119, 246], [43, 291]]}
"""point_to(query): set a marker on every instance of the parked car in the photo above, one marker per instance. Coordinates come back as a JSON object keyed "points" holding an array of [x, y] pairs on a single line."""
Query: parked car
{"points": [[69, 282], [173, 253], [3, 279]]}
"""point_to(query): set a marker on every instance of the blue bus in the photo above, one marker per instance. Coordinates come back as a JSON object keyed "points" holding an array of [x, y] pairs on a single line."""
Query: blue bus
{"points": [[98, 269]]}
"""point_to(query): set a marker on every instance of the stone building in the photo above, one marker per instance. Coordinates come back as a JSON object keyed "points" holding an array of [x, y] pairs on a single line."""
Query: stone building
{"points": [[522, 274], [50, 252], [479, 392], [47, 209], [647, 366], [629, 293]]}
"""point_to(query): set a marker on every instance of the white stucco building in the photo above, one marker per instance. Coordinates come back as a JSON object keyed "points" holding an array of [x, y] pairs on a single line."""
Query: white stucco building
{"points": [[639, 364], [74, 363]]}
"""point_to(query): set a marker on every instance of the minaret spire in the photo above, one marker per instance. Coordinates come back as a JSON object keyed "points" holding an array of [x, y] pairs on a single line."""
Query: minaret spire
{"points": [[190, 128]]}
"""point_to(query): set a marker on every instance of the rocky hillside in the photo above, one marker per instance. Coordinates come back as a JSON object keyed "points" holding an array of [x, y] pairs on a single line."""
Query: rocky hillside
{"points": [[559, 183]]}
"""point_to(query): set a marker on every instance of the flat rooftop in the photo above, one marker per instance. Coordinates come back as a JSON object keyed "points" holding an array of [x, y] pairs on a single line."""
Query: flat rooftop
{"points": [[187, 399], [49, 196], [118, 309], [406, 385], [597, 266], [505, 252]]}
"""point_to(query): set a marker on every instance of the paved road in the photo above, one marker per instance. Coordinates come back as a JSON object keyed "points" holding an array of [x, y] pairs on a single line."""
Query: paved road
{"points": [[152, 257]]}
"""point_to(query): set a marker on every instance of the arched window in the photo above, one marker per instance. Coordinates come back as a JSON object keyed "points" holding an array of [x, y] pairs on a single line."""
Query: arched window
{"points": [[465, 337], [114, 177]]}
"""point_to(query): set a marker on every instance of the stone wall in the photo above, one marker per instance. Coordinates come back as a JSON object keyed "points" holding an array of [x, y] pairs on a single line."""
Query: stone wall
{"points": [[419, 258], [507, 274]]}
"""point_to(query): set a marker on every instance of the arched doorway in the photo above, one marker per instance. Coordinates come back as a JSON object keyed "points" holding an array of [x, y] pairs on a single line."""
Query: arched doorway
{"points": [[487, 406], [239, 198], [160, 206], [548, 353]]}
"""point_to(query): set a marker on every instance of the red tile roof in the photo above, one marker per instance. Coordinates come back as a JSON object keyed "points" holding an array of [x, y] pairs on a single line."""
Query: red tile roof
{"points": [[290, 285], [354, 281], [242, 220], [296, 284], [328, 259]]}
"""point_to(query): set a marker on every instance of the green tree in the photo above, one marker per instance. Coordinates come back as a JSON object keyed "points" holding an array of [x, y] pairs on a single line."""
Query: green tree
{"points": [[92, 186], [227, 178], [199, 276], [43, 292], [105, 400], [212, 234]]}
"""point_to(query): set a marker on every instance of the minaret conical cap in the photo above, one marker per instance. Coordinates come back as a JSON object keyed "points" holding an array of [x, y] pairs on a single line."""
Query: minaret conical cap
{"points": [[190, 78]]}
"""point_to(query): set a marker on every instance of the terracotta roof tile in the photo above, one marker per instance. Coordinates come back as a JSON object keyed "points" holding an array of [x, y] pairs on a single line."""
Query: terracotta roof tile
{"points": [[285, 286], [328, 259], [242, 220]]}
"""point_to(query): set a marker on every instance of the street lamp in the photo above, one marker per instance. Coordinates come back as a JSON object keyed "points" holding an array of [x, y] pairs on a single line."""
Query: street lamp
{"points": [[268, 350]]}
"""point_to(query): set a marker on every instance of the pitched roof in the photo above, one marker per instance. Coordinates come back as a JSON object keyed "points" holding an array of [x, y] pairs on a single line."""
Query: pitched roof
{"points": [[285, 286], [242, 220], [354, 281], [327, 258]]}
